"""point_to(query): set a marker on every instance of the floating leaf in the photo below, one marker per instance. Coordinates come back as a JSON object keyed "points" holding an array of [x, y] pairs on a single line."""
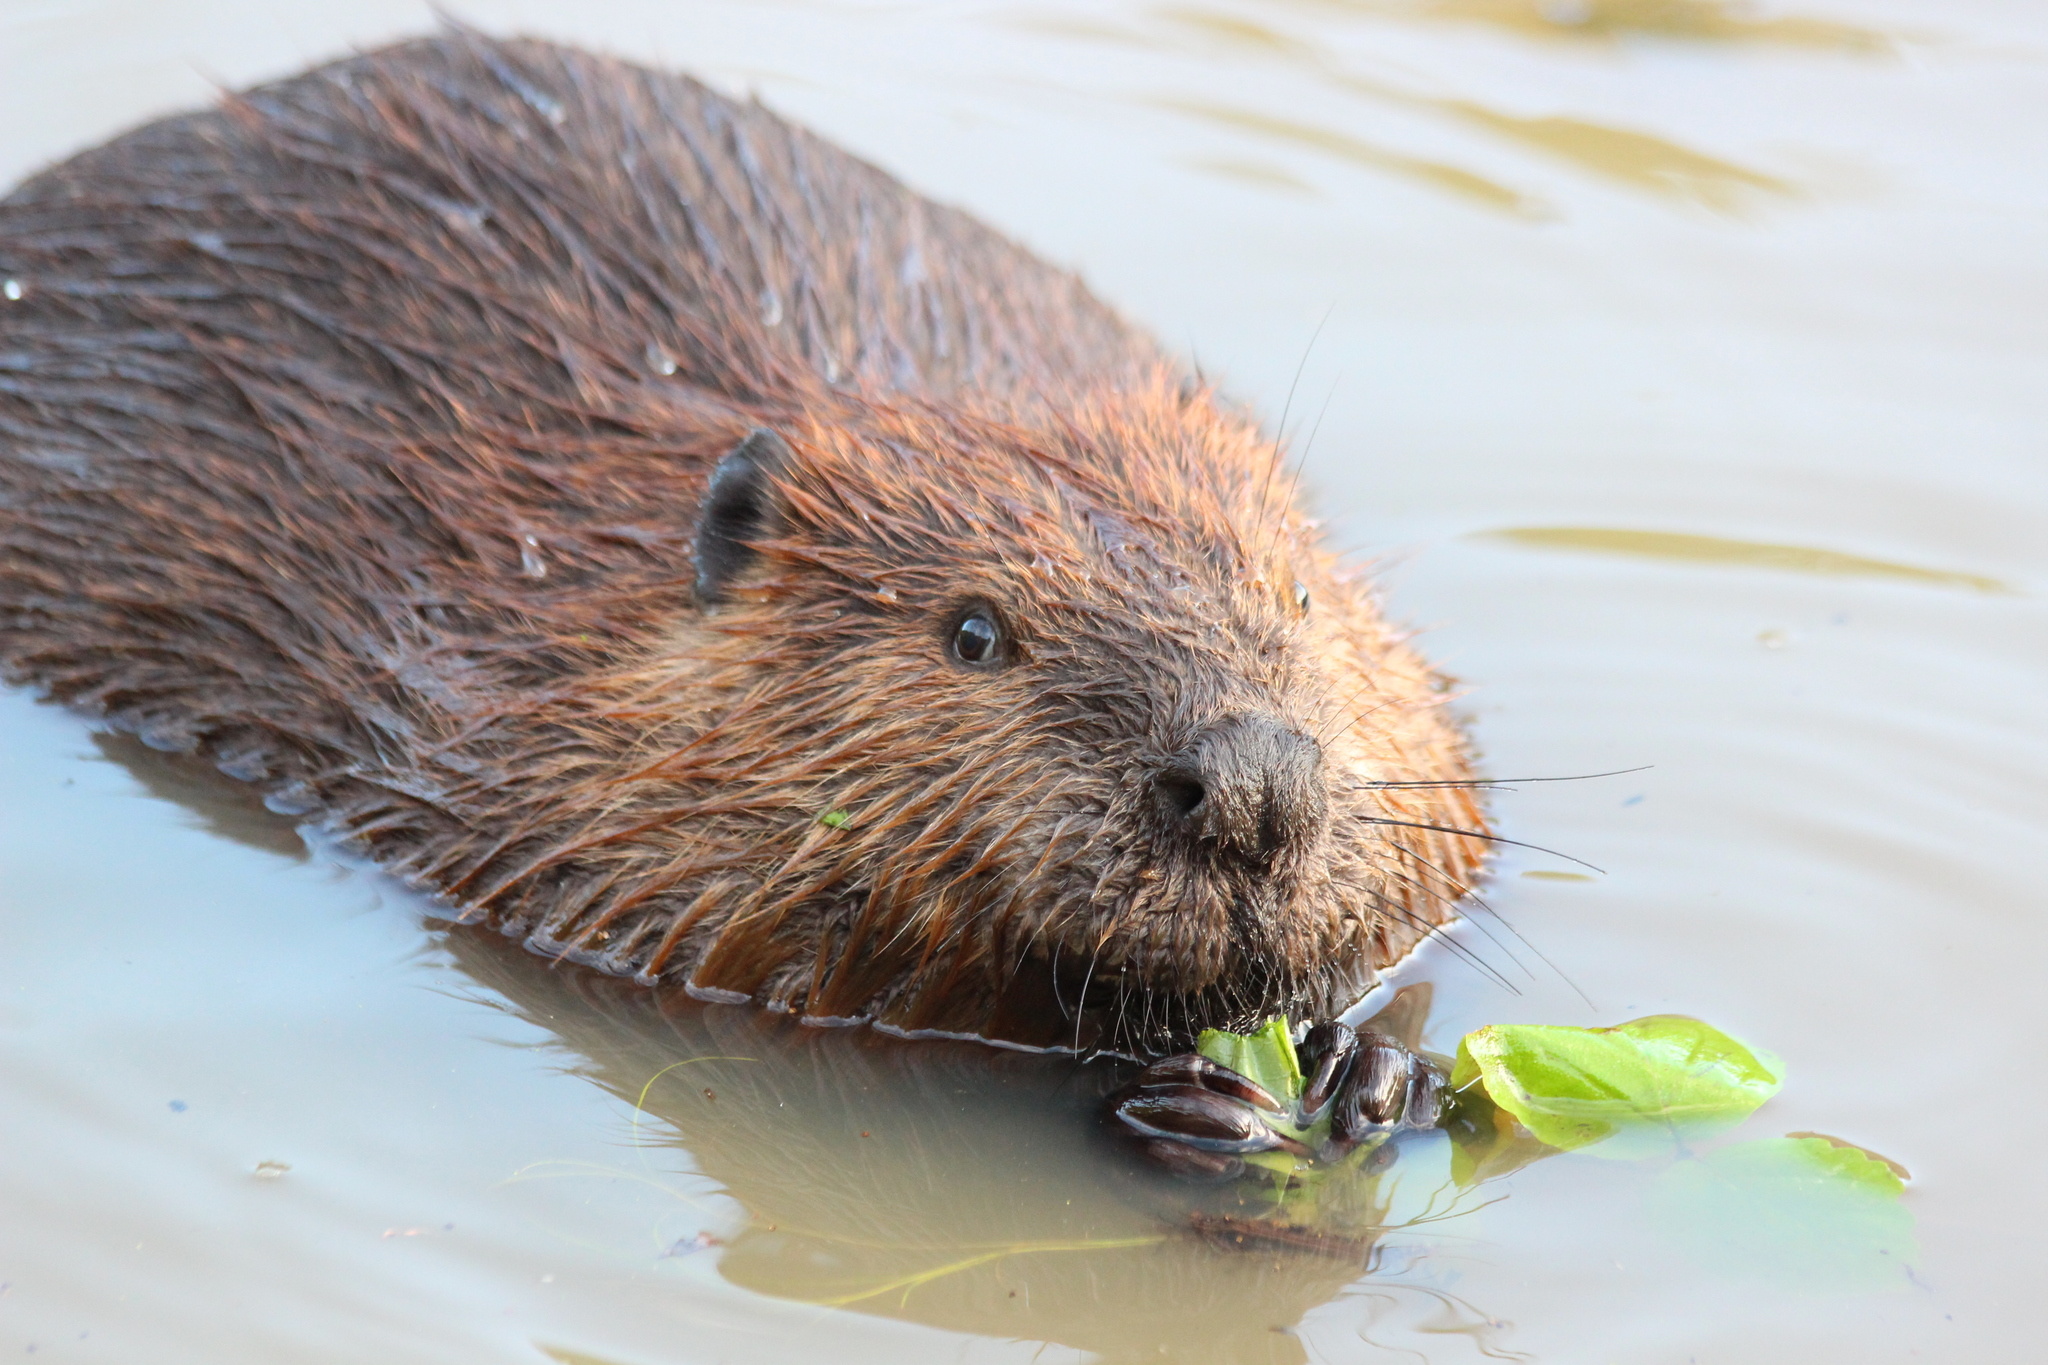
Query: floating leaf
{"points": [[1265, 1055], [1572, 1087], [1808, 1212]]}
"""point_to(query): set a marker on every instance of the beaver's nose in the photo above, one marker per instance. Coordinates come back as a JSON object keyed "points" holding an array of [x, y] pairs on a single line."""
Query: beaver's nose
{"points": [[1250, 784]]}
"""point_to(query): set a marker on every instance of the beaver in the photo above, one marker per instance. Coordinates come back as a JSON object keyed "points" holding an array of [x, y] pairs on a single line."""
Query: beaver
{"points": [[669, 540]]}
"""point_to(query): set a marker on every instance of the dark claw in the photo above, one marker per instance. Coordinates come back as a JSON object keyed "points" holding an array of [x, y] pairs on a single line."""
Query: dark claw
{"points": [[1197, 1117], [1390, 1088], [1328, 1049], [1192, 1068], [1425, 1097], [1383, 1071]]}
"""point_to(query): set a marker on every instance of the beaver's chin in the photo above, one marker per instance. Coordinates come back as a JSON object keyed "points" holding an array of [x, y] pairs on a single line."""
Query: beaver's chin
{"points": [[1149, 1012]]}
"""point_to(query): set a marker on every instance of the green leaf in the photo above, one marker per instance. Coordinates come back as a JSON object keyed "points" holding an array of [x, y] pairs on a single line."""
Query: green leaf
{"points": [[1573, 1087], [1805, 1212], [1265, 1056], [836, 819], [1846, 1161]]}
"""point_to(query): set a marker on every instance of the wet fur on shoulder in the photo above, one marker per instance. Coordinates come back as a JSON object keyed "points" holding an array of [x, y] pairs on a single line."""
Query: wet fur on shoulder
{"points": [[357, 435]]}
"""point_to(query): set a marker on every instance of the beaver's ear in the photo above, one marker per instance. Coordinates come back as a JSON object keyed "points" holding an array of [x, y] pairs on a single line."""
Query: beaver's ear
{"points": [[738, 507]]}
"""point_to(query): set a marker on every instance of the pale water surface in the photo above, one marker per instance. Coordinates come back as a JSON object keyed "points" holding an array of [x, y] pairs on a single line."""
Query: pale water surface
{"points": [[1683, 361]]}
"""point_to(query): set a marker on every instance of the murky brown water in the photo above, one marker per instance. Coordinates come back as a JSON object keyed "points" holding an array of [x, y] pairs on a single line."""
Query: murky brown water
{"points": [[1684, 361]]}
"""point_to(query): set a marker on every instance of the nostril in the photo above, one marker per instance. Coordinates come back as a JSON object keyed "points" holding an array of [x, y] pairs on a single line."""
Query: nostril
{"points": [[1180, 793], [1250, 787]]}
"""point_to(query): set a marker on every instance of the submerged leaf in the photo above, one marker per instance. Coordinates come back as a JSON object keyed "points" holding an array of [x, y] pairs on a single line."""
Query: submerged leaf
{"points": [[1808, 1212], [1265, 1056], [1572, 1087]]}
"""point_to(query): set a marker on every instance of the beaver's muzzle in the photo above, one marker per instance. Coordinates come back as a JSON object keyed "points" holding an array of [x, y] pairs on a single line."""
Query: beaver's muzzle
{"points": [[1250, 786]]}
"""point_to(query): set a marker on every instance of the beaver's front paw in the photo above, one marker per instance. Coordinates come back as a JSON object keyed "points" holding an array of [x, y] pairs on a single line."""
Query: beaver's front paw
{"points": [[1370, 1085], [1194, 1118]]}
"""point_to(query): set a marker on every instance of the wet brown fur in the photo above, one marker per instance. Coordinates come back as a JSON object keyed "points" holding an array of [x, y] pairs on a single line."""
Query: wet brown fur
{"points": [[353, 434]]}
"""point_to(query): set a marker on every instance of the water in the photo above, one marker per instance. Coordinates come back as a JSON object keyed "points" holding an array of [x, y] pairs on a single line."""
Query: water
{"points": [[1681, 362]]}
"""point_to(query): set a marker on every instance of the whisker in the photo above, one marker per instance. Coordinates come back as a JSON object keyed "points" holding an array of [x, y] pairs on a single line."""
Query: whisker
{"points": [[1308, 445], [1287, 406], [1461, 950], [1081, 1000], [1497, 781], [1459, 896], [1351, 724], [1324, 739], [1467, 893], [1279, 460], [1475, 834]]}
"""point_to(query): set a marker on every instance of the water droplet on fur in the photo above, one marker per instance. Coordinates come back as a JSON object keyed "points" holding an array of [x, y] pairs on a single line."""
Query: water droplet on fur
{"points": [[530, 562], [12, 289], [660, 361], [771, 307]]}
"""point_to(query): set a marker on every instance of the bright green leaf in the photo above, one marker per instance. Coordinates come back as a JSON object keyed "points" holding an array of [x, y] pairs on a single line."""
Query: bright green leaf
{"points": [[836, 819], [1265, 1055], [1572, 1087]]}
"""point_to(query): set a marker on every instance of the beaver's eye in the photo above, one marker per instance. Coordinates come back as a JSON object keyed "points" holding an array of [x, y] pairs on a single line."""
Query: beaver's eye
{"points": [[975, 639], [1301, 596]]}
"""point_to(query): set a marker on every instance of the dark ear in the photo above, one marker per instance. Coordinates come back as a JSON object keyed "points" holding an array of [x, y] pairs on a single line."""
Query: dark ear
{"points": [[738, 508]]}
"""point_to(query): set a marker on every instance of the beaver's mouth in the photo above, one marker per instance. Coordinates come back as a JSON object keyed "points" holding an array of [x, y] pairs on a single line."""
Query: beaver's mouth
{"points": [[1084, 1007]]}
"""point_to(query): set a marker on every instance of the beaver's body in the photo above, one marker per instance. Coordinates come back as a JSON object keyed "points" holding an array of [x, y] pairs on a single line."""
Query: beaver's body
{"points": [[358, 435]]}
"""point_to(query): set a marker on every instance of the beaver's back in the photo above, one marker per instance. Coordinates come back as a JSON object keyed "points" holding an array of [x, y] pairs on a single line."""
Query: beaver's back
{"points": [[380, 391]]}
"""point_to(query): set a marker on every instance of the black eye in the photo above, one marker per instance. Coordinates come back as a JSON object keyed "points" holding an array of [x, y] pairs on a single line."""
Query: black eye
{"points": [[975, 639], [1301, 596]]}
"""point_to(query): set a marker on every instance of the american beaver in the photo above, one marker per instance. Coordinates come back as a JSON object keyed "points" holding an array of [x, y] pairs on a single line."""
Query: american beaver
{"points": [[670, 540]]}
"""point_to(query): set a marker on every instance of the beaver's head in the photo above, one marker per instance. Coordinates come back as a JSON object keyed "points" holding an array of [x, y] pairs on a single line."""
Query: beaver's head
{"points": [[1065, 735]]}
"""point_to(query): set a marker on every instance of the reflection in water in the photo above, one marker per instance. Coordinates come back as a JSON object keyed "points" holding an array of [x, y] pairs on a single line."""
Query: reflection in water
{"points": [[940, 1182], [945, 1183], [562, 1355], [1701, 21], [1642, 161], [1261, 173], [223, 806], [1674, 545], [1073, 26], [1235, 31], [1344, 146]]}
